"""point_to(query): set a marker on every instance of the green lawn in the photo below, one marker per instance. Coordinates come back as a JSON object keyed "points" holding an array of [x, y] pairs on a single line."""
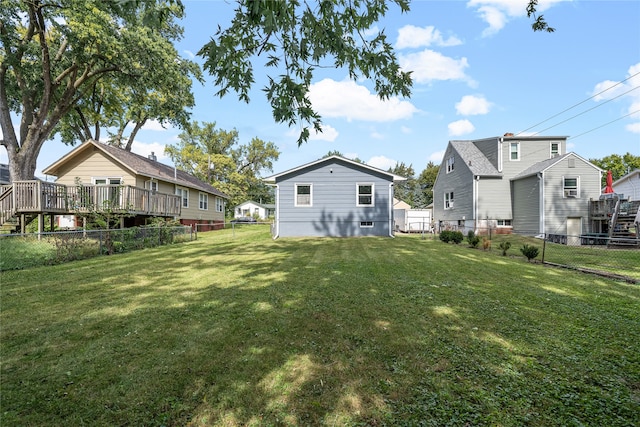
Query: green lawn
{"points": [[238, 329]]}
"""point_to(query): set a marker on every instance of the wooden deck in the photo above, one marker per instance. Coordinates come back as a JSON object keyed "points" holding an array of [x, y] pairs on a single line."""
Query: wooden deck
{"points": [[39, 197]]}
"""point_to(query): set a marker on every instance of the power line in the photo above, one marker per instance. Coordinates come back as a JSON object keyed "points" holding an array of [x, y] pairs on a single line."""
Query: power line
{"points": [[601, 126], [579, 103], [586, 111]]}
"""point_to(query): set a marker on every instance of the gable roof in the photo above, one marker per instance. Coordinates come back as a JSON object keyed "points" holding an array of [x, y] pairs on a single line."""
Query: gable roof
{"points": [[546, 164], [474, 159], [395, 177], [627, 177], [138, 165]]}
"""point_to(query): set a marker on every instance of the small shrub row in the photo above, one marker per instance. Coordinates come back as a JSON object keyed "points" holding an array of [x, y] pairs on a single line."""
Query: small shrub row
{"points": [[451, 236]]}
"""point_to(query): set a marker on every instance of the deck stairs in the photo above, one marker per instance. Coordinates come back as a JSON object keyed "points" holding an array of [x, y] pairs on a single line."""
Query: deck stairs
{"points": [[623, 229]]}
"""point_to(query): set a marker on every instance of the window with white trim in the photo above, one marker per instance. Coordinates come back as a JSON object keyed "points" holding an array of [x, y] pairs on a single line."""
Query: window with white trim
{"points": [[107, 181], [514, 151], [504, 223], [366, 224], [571, 186], [303, 195], [151, 185], [450, 165], [184, 196], [365, 194], [555, 149], [203, 201], [220, 205], [448, 200]]}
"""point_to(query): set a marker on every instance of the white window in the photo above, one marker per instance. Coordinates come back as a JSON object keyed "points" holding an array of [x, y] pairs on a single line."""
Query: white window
{"points": [[203, 201], [571, 186], [555, 149], [304, 195], [450, 165], [151, 185], [365, 195], [220, 205], [448, 200], [366, 224], [107, 181], [514, 151], [504, 223], [184, 195]]}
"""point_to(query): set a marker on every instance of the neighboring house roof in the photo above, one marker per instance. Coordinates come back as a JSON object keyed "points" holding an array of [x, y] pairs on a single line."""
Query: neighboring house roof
{"points": [[260, 205], [627, 177], [139, 165], [546, 164], [475, 160], [4, 174], [400, 204], [395, 177]]}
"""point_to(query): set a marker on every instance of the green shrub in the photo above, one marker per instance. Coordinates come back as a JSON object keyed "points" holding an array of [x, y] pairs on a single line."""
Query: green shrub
{"points": [[529, 251], [457, 237], [472, 239], [505, 247], [445, 236]]}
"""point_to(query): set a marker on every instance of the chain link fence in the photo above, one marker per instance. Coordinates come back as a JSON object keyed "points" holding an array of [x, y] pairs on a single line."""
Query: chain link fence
{"points": [[18, 251]]}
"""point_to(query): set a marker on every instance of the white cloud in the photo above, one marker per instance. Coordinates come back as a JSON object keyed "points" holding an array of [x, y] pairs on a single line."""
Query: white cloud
{"points": [[633, 127], [437, 157], [352, 101], [351, 156], [189, 54], [376, 135], [156, 125], [460, 127], [405, 129], [471, 105], [411, 36], [328, 134], [381, 162], [497, 13], [626, 91], [429, 65], [145, 149]]}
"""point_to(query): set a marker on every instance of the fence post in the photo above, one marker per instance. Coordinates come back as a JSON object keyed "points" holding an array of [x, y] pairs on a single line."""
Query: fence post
{"points": [[544, 246]]}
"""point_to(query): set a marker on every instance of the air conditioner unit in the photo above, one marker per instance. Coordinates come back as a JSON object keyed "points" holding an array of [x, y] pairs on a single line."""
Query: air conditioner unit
{"points": [[571, 193]]}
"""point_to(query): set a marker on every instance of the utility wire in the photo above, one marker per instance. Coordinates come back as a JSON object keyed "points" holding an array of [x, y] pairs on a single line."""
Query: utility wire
{"points": [[579, 103], [586, 111], [601, 126]]}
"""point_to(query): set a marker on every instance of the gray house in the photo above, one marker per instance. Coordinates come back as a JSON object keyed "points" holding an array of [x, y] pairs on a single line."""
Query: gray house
{"points": [[526, 184], [334, 196]]}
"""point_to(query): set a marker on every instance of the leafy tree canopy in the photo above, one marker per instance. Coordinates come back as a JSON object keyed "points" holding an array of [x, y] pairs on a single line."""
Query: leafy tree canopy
{"points": [[217, 157], [619, 165]]}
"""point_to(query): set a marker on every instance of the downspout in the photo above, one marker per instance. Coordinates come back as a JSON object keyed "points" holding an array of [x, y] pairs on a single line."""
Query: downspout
{"points": [[391, 210], [476, 182], [276, 224], [500, 142], [541, 202]]}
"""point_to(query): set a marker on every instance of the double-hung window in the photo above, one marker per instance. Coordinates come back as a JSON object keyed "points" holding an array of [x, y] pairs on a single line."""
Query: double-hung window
{"points": [[303, 195], [365, 195], [203, 201], [555, 149], [220, 205], [514, 151], [448, 200], [450, 164], [184, 196], [571, 186]]}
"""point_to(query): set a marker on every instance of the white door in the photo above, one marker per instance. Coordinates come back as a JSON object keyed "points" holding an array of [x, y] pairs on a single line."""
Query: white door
{"points": [[574, 230]]}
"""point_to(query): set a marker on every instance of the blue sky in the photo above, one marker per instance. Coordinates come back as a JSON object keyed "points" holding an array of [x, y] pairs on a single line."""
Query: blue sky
{"points": [[479, 71]]}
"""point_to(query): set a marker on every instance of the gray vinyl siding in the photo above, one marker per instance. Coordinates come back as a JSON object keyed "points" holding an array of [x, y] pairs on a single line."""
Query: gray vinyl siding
{"points": [[493, 199], [557, 207], [526, 205], [460, 181], [333, 211]]}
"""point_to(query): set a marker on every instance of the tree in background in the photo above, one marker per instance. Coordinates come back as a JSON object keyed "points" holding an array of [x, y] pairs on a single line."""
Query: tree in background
{"points": [[425, 185], [404, 190], [217, 157], [339, 154], [617, 164], [64, 56]]}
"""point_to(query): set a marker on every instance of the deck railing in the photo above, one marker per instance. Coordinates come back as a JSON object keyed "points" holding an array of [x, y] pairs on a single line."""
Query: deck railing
{"points": [[51, 198]]}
